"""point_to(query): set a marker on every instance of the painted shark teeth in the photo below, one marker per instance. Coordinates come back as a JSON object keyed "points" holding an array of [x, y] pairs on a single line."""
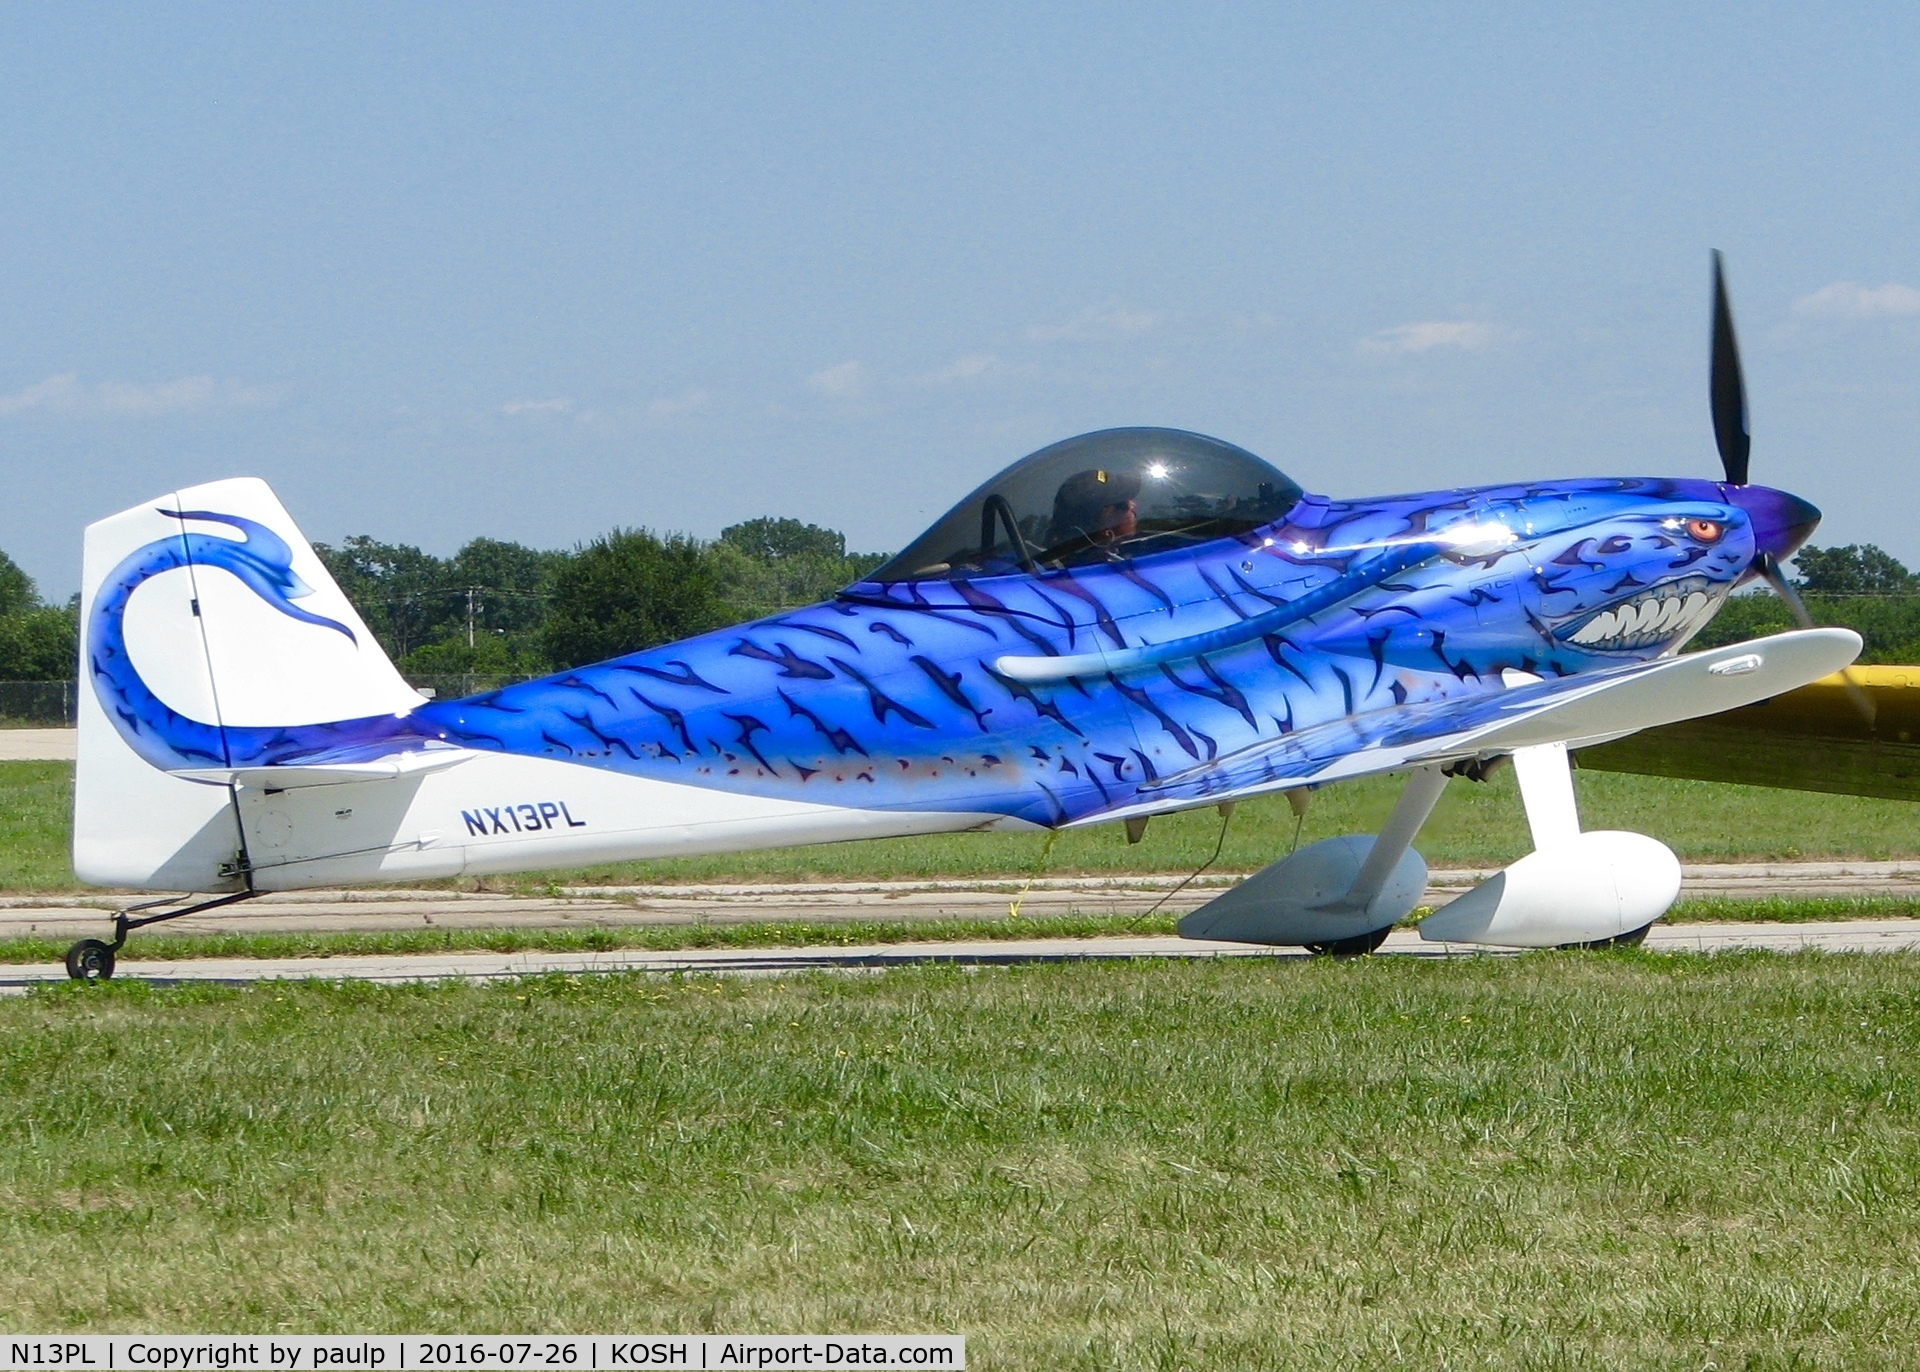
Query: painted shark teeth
{"points": [[1667, 611]]}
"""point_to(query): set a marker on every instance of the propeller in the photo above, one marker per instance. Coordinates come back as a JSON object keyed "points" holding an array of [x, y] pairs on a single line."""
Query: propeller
{"points": [[1727, 388], [1727, 392]]}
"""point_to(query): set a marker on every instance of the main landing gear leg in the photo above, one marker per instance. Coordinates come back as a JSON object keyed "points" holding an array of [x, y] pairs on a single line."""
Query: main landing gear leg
{"points": [[92, 960], [1339, 896], [1417, 799]]}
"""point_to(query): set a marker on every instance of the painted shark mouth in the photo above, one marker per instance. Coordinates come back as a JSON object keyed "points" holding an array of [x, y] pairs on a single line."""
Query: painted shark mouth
{"points": [[1670, 610]]}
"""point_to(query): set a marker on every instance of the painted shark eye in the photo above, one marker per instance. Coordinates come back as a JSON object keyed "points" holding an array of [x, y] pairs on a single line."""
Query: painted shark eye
{"points": [[1706, 530]]}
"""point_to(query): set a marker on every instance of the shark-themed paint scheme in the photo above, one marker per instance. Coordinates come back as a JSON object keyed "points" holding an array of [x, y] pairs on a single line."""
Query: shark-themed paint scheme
{"points": [[1127, 622], [905, 694]]}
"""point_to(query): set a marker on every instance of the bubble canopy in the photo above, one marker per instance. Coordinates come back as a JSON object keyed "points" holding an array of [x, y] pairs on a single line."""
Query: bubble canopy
{"points": [[1102, 497]]}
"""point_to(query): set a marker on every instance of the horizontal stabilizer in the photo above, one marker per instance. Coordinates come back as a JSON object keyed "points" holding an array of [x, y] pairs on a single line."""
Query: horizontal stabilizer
{"points": [[337, 772]]}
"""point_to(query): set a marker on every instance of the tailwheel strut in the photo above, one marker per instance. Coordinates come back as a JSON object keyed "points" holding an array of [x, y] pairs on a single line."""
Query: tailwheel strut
{"points": [[92, 960]]}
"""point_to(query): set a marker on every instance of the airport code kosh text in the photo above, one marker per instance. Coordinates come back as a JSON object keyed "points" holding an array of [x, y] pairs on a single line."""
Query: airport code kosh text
{"points": [[409, 1353]]}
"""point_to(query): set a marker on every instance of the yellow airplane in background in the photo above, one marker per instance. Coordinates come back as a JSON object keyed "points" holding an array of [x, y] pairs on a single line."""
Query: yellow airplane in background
{"points": [[1853, 733]]}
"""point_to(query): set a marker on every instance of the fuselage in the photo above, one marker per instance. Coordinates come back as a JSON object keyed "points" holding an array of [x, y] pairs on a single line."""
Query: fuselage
{"points": [[902, 697], [991, 690]]}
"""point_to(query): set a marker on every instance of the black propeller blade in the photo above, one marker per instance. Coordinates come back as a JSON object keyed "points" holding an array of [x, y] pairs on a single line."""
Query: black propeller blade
{"points": [[1777, 578], [1785, 589], [1728, 388]]}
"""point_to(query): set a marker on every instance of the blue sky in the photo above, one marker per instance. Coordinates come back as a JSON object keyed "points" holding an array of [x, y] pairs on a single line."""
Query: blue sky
{"points": [[537, 271]]}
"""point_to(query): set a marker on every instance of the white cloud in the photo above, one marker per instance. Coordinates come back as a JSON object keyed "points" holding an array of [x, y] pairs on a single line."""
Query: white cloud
{"points": [[1851, 300], [844, 381], [558, 405], [67, 394], [669, 405], [961, 369], [1470, 334], [189, 393], [55, 393], [1111, 325]]}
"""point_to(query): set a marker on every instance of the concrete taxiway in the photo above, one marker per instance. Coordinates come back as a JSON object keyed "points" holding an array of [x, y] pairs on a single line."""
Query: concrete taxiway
{"points": [[841, 902], [1851, 936], [39, 745]]}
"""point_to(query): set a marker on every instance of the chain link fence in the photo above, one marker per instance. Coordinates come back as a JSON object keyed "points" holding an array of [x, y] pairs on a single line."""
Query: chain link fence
{"points": [[37, 704]]}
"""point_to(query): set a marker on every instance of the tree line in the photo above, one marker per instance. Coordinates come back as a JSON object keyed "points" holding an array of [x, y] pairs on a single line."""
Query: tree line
{"points": [[497, 609], [1859, 587], [502, 609], [38, 641]]}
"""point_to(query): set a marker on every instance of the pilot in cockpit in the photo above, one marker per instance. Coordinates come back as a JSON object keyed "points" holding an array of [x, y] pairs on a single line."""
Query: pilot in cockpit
{"points": [[1096, 508]]}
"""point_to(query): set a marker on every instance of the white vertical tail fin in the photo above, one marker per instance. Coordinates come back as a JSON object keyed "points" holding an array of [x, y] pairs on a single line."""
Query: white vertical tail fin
{"points": [[202, 611]]}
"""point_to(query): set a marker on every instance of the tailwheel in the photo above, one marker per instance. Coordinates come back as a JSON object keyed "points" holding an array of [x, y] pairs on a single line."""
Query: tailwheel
{"points": [[1633, 938], [90, 960], [1358, 946]]}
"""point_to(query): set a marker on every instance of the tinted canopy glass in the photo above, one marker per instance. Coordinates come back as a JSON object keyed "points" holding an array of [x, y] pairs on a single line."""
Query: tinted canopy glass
{"points": [[1101, 497]]}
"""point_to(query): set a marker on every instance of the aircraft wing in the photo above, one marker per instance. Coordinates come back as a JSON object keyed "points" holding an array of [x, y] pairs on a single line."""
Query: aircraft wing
{"points": [[1817, 738], [1593, 707]]}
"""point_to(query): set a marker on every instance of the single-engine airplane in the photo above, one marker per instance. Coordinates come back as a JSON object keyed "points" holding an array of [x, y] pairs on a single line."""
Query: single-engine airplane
{"points": [[1120, 625]]}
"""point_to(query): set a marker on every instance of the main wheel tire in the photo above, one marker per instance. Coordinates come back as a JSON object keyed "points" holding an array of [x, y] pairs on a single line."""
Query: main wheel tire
{"points": [[90, 960], [1633, 938], [1356, 947]]}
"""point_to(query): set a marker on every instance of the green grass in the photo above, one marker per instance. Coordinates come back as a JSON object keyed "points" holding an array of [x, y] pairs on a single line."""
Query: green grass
{"points": [[1580, 1161], [1473, 826], [36, 826], [1792, 909]]}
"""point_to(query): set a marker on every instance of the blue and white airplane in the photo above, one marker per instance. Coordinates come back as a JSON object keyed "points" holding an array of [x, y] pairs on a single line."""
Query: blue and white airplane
{"points": [[1120, 625]]}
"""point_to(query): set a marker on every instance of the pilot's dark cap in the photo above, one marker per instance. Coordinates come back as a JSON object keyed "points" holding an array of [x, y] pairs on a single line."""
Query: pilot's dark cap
{"points": [[1093, 490]]}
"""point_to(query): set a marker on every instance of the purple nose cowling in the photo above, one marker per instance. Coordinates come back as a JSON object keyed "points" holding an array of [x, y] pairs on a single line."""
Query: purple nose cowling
{"points": [[1781, 522]]}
